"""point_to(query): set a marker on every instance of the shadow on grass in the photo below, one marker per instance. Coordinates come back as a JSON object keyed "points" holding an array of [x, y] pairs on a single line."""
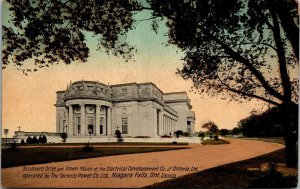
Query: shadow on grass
{"points": [[244, 174], [30, 156]]}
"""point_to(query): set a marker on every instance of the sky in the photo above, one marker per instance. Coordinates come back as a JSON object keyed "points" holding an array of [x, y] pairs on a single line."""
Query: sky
{"points": [[28, 101]]}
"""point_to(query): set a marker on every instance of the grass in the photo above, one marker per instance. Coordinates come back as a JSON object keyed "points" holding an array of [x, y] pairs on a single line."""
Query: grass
{"points": [[108, 143], [279, 140], [214, 142], [30, 156]]}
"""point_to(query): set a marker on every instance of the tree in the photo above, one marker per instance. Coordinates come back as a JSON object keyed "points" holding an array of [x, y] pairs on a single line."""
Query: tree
{"points": [[211, 127], [6, 131], [236, 49], [235, 131], [265, 124], [231, 48], [53, 31], [22, 141], [224, 132]]}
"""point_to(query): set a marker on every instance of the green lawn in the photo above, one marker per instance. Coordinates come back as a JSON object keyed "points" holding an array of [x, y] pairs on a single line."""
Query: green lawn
{"points": [[29, 156]]}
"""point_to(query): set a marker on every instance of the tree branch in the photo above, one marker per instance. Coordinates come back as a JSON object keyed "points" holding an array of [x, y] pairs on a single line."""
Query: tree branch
{"points": [[247, 94], [248, 64]]}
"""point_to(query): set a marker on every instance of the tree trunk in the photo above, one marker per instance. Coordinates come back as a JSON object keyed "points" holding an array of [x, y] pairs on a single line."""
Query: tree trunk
{"points": [[290, 123]]}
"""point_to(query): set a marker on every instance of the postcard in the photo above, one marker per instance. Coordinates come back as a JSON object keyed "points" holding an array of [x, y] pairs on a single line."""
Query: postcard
{"points": [[133, 93]]}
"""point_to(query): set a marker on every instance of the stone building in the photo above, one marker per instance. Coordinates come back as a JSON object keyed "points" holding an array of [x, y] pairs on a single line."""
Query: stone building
{"points": [[92, 109]]}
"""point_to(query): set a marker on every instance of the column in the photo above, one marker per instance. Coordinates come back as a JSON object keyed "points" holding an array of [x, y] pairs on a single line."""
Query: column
{"points": [[164, 125], [154, 132], [97, 130], [161, 124], [167, 125], [108, 122], [104, 122], [71, 126], [65, 127], [82, 120]]}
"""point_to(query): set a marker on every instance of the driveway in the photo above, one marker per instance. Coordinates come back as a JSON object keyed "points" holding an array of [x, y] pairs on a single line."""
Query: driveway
{"points": [[133, 170]]}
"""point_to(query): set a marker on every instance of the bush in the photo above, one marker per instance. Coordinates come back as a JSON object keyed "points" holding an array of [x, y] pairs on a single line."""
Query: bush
{"points": [[35, 140], [186, 134], [40, 139], [216, 137], [22, 142], [64, 136], [179, 133], [29, 140], [44, 139], [119, 136]]}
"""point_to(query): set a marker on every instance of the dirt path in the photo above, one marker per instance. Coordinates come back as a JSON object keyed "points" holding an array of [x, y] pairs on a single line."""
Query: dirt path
{"points": [[199, 156]]}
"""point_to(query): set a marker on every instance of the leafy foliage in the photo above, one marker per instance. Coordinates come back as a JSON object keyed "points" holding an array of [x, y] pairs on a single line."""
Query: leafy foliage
{"points": [[224, 132], [266, 124], [53, 31], [230, 46], [211, 127]]}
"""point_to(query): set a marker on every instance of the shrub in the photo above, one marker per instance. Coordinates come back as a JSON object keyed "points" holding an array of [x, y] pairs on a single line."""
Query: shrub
{"points": [[44, 139], [216, 137], [35, 140], [186, 134], [40, 140], [22, 142], [119, 136], [179, 133], [64, 136], [29, 140]]}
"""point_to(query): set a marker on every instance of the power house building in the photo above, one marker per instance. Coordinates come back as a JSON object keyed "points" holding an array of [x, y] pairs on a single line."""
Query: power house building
{"points": [[93, 109]]}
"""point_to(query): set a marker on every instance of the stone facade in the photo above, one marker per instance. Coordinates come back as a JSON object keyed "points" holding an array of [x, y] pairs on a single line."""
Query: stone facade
{"points": [[89, 109]]}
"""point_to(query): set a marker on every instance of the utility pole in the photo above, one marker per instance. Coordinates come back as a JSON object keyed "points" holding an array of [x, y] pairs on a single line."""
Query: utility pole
{"points": [[19, 128]]}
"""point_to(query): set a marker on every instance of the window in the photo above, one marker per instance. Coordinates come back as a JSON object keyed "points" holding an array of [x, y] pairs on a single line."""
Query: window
{"points": [[101, 124], [78, 125], [124, 125], [90, 122], [64, 126], [124, 90]]}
